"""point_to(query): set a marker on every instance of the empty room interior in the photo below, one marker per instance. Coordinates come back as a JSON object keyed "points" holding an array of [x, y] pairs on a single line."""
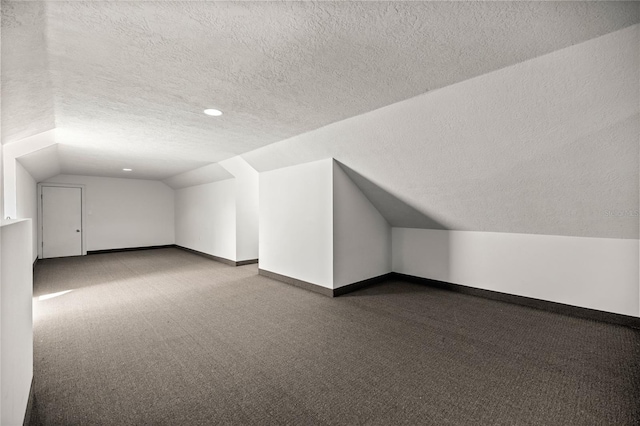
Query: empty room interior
{"points": [[320, 213]]}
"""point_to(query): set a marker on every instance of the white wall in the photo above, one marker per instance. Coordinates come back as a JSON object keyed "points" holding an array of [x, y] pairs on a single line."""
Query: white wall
{"points": [[247, 191], [16, 336], [596, 273], [361, 236], [12, 151], [247, 195], [206, 206], [125, 213], [296, 222], [2, 212], [27, 202], [206, 218]]}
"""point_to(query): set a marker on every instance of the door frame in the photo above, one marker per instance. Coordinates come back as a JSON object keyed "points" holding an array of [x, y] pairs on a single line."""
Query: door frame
{"points": [[83, 213]]}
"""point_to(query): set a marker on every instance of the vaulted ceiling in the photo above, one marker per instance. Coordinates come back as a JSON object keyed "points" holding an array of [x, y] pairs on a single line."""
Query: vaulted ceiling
{"points": [[124, 84]]}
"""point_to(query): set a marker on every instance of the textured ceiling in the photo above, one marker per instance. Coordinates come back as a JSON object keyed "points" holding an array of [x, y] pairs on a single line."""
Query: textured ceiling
{"points": [[26, 92], [547, 146], [126, 82]]}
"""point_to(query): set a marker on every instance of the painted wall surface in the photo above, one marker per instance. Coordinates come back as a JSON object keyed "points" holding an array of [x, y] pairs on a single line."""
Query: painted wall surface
{"points": [[16, 336], [247, 195], [206, 218], [361, 236], [596, 273], [2, 211], [27, 202], [205, 174], [13, 151], [296, 222], [546, 146], [2, 181], [125, 213]]}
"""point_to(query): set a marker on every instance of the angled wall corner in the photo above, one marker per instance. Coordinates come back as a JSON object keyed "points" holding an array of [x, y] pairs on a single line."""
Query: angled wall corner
{"points": [[200, 176], [296, 223], [27, 147], [217, 210], [398, 213], [317, 228], [361, 235], [246, 178]]}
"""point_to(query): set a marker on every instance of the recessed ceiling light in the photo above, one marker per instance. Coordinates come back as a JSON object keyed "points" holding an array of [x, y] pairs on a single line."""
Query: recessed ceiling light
{"points": [[213, 112], [127, 170]]}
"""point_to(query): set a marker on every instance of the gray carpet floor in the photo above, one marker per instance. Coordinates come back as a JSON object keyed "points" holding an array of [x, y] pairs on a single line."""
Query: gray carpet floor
{"points": [[166, 337]]}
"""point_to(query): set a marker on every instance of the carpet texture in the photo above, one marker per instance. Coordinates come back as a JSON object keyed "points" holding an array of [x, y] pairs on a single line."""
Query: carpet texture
{"points": [[166, 337]]}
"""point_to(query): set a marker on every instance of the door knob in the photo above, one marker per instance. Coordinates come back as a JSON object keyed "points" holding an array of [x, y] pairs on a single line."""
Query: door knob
{"points": [[77, 230]]}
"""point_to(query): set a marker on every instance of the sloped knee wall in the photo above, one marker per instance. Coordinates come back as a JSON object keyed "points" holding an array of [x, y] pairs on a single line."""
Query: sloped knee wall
{"points": [[361, 236]]}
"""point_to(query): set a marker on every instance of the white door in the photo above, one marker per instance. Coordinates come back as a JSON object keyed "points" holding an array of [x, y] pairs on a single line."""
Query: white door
{"points": [[61, 221]]}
